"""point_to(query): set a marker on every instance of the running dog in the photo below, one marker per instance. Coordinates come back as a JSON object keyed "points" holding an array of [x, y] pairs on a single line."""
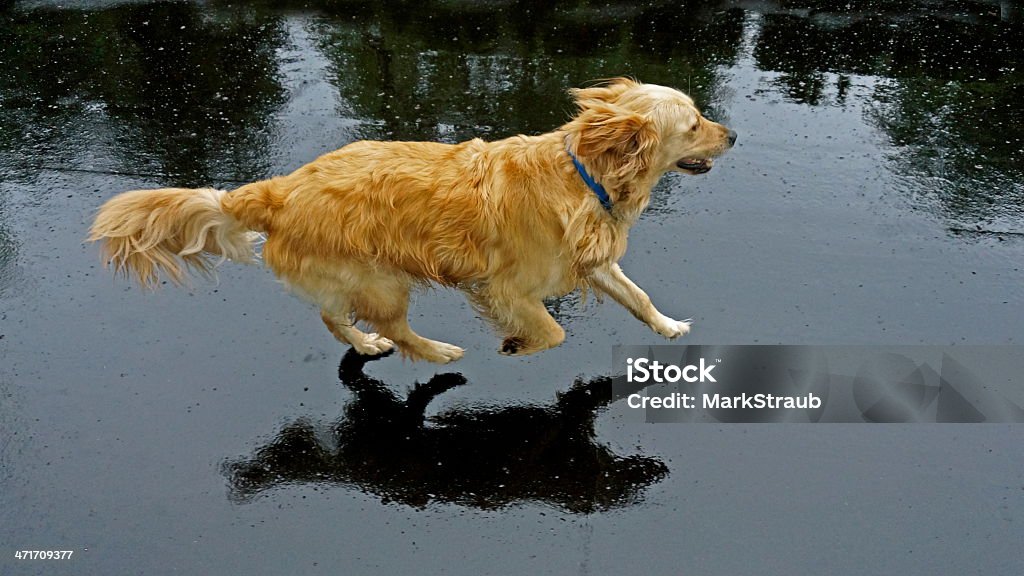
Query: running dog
{"points": [[509, 222]]}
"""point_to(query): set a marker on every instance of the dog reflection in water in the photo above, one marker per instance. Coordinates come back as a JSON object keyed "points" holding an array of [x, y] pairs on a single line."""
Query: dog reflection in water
{"points": [[481, 457]]}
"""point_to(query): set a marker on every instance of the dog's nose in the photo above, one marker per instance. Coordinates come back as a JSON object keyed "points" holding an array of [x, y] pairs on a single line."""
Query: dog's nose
{"points": [[732, 137]]}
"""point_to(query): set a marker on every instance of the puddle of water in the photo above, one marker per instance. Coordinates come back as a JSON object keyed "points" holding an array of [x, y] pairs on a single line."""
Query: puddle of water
{"points": [[875, 196]]}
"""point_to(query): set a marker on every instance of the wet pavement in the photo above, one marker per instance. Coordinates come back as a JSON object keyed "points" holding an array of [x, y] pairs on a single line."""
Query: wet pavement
{"points": [[876, 196]]}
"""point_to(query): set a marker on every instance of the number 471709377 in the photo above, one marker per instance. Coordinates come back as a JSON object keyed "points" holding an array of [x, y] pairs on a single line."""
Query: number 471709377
{"points": [[43, 554]]}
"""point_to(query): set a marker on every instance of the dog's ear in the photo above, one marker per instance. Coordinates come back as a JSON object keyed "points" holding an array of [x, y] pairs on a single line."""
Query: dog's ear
{"points": [[606, 92], [605, 127], [624, 139]]}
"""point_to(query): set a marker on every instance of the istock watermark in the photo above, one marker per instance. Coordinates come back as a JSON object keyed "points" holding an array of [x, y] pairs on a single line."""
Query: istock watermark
{"points": [[894, 384], [646, 371]]}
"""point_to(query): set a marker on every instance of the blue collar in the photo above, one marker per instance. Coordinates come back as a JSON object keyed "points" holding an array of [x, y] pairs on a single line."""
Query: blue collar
{"points": [[599, 190]]}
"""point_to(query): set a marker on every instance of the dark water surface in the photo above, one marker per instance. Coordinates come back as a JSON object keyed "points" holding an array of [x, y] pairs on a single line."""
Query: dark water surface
{"points": [[876, 196]]}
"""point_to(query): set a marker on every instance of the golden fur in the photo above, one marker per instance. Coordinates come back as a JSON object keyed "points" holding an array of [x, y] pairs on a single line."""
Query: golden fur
{"points": [[509, 222]]}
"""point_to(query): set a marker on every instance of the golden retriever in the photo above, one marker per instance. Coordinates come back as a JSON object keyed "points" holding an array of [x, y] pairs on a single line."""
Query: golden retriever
{"points": [[509, 223]]}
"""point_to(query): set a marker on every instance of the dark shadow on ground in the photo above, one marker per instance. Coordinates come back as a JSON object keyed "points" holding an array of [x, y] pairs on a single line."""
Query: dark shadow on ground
{"points": [[484, 457]]}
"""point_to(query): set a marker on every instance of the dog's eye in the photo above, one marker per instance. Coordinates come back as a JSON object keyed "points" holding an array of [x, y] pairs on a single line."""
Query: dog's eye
{"points": [[695, 126]]}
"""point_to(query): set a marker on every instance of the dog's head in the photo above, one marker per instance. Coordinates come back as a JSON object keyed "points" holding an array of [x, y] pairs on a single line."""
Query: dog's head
{"points": [[627, 130]]}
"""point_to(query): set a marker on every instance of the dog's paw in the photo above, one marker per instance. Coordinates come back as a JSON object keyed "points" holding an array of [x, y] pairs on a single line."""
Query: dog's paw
{"points": [[374, 344], [670, 328], [512, 346], [441, 352]]}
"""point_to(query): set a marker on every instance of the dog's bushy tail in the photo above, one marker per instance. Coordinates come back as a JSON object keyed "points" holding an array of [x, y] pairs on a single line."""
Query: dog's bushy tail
{"points": [[170, 231]]}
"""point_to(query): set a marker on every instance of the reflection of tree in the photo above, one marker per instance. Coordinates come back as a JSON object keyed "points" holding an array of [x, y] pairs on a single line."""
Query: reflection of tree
{"points": [[962, 138], [485, 457], [191, 94], [951, 101], [455, 70]]}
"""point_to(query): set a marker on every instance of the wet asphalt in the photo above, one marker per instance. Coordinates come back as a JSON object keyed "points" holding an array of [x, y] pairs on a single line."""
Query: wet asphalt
{"points": [[874, 197]]}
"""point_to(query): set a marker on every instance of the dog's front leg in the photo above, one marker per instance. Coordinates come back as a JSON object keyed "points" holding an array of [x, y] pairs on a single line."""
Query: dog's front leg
{"points": [[524, 320], [613, 282]]}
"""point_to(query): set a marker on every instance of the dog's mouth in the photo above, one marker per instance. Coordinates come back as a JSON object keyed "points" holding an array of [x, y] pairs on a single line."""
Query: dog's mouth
{"points": [[695, 165]]}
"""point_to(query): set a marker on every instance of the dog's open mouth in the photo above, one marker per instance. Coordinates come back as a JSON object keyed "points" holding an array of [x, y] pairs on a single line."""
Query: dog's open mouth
{"points": [[695, 165]]}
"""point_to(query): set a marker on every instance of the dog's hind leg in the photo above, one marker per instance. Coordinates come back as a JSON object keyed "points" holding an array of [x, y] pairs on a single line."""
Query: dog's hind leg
{"points": [[332, 290], [342, 326], [383, 301]]}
